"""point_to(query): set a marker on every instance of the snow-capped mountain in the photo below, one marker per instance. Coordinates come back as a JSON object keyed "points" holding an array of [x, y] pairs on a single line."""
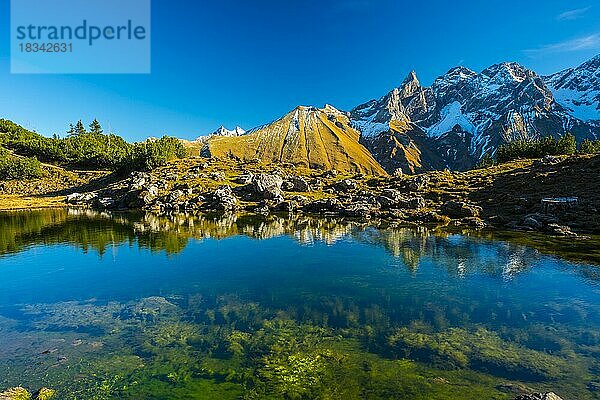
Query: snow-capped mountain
{"points": [[465, 114], [578, 90], [222, 131]]}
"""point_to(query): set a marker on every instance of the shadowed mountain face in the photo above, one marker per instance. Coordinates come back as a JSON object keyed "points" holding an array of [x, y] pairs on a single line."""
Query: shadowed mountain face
{"points": [[578, 90], [464, 115], [307, 137]]}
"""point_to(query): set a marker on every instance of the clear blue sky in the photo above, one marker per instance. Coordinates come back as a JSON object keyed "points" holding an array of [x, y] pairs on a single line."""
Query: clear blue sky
{"points": [[248, 62]]}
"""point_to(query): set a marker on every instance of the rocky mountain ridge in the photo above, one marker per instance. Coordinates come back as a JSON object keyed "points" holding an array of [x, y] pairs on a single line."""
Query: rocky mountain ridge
{"points": [[450, 124], [465, 114]]}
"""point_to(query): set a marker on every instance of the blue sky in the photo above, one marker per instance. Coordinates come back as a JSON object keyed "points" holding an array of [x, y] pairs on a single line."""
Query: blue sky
{"points": [[248, 62]]}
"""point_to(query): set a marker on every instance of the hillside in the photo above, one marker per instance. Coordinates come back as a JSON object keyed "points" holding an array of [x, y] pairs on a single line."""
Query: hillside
{"points": [[307, 137]]}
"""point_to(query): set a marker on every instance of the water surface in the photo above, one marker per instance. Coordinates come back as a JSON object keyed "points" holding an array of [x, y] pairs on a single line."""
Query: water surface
{"points": [[130, 306]]}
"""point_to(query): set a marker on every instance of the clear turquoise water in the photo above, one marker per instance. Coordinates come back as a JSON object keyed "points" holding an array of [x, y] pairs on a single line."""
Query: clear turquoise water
{"points": [[136, 306]]}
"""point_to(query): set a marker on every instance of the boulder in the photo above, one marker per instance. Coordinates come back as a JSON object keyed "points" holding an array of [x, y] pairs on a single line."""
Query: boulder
{"points": [[217, 176], [80, 198], [245, 178], [267, 186], [460, 209], [323, 205], [357, 210], [296, 184], [302, 200], [393, 199], [175, 195], [286, 206], [345, 185], [332, 173], [137, 180], [105, 203], [412, 203], [224, 199], [548, 160], [431, 217], [418, 183]]}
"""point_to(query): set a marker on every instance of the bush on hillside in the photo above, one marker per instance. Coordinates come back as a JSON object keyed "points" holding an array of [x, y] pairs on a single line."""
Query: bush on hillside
{"points": [[589, 146], [90, 150], [538, 148], [12, 167], [155, 153]]}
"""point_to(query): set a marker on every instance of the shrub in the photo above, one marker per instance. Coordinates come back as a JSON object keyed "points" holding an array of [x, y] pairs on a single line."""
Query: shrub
{"points": [[538, 148], [154, 153], [486, 161], [12, 167], [91, 150], [589, 147]]}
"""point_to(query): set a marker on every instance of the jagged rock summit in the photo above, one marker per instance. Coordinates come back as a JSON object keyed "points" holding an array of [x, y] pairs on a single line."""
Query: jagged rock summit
{"points": [[578, 90], [413, 128], [465, 114]]}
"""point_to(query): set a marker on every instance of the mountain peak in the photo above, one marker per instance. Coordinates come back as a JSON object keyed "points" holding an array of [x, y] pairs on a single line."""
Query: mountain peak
{"points": [[578, 90], [307, 136], [507, 71], [411, 78], [222, 131]]}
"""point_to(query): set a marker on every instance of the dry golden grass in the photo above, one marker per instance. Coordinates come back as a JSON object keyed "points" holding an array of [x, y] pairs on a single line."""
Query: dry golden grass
{"points": [[320, 139], [17, 202]]}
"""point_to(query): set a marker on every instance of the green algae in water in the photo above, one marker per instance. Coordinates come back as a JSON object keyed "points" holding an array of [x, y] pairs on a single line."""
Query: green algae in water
{"points": [[106, 307]]}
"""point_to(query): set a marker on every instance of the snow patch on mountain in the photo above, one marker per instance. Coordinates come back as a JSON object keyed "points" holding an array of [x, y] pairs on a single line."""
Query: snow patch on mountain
{"points": [[451, 115], [369, 128], [581, 104], [578, 90]]}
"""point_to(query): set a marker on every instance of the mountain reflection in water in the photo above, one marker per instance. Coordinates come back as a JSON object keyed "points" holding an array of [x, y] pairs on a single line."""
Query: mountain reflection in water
{"points": [[130, 306]]}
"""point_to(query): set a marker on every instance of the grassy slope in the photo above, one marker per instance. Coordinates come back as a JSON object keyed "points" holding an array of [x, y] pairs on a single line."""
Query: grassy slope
{"points": [[310, 138]]}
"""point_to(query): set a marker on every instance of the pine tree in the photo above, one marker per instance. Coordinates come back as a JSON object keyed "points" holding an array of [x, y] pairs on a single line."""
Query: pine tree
{"points": [[95, 126], [71, 130], [80, 128]]}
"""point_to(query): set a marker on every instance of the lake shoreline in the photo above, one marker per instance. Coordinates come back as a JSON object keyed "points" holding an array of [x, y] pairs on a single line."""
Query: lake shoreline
{"points": [[523, 195]]}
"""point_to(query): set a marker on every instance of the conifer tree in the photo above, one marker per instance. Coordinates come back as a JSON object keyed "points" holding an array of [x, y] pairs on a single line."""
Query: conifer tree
{"points": [[80, 128], [95, 126]]}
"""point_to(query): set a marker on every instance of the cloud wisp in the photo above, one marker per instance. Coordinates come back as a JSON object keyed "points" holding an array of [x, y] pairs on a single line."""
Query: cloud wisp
{"points": [[589, 42], [571, 15]]}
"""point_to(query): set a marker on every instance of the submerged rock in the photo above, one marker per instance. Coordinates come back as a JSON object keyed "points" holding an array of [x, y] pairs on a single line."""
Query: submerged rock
{"points": [[20, 393], [539, 396]]}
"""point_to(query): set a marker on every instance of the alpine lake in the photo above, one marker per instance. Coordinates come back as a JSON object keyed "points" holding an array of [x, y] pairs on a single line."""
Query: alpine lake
{"points": [[137, 306]]}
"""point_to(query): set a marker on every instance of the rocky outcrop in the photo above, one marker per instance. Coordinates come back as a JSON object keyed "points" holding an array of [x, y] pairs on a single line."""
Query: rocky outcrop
{"points": [[465, 114], [539, 396], [474, 200]]}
